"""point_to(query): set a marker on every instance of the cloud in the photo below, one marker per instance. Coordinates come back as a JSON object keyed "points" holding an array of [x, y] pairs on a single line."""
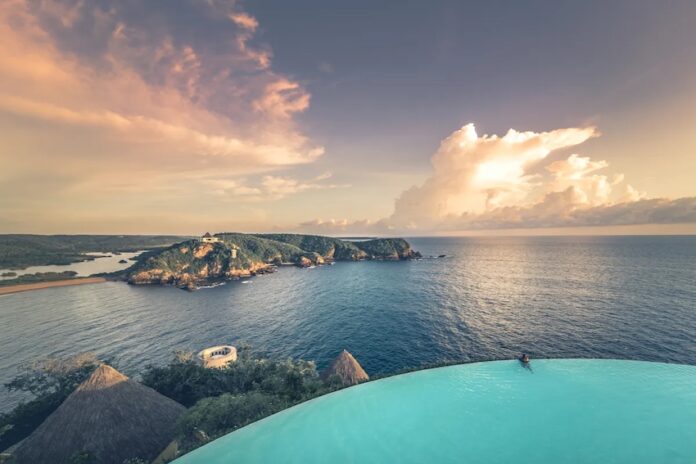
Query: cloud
{"points": [[560, 209], [282, 98], [268, 187], [593, 189], [244, 20], [344, 227], [493, 182], [474, 174], [169, 91]]}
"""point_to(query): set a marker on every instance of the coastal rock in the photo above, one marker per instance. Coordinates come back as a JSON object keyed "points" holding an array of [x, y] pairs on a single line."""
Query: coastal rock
{"points": [[151, 276], [202, 250], [346, 370]]}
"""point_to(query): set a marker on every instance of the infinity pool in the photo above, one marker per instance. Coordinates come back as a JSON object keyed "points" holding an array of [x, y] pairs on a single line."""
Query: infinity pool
{"points": [[561, 411]]}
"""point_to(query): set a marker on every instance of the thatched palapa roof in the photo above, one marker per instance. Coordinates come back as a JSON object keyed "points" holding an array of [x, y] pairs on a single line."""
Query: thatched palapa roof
{"points": [[347, 369], [109, 416]]}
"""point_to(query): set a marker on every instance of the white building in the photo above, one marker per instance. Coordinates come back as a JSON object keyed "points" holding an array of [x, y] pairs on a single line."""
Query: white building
{"points": [[217, 356], [207, 238]]}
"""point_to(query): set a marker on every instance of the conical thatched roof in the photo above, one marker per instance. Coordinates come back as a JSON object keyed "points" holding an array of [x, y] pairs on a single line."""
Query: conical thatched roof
{"points": [[347, 369], [109, 416]]}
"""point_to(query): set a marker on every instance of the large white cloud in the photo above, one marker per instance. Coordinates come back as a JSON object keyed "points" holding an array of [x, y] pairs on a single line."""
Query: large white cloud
{"points": [[492, 182], [473, 173]]}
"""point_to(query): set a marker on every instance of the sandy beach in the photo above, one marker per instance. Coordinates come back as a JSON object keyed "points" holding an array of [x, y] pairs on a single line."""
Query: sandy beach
{"points": [[56, 283]]}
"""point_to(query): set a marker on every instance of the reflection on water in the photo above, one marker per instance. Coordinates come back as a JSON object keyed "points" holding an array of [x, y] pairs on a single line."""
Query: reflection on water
{"points": [[105, 262], [622, 297]]}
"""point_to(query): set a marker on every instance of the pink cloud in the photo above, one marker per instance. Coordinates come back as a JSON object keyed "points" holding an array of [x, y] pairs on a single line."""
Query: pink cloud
{"points": [[148, 89]]}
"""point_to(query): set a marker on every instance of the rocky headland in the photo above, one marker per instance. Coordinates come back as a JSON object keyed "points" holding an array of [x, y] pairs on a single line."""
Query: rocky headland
{"points": [[228, 256]]}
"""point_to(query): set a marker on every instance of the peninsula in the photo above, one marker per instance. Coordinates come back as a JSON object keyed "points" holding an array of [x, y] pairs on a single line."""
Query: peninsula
{"points": [[228, 256]]}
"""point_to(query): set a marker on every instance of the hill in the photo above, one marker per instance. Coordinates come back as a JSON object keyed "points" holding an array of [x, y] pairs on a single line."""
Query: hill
{"points": [[193, 263]]}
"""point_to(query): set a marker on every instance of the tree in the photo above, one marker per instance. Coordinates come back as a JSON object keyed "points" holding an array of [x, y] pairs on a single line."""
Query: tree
{"points": [[213, 417], [49, 381], [54, 375]]}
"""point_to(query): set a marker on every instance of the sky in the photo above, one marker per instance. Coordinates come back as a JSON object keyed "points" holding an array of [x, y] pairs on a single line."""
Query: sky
{"points": [[343, 118]]}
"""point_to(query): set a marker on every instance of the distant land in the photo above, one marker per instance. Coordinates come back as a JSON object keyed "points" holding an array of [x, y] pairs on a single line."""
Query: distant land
{"points": [[185, 262], [19, 251], [229, 256]]}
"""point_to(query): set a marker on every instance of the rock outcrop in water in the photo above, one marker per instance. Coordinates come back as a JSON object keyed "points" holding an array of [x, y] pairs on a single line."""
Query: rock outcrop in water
{"points": [[346, 370], [194, 263]]}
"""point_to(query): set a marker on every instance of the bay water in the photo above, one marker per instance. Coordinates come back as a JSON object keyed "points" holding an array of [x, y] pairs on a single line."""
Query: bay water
{"points": [[489, 298]]}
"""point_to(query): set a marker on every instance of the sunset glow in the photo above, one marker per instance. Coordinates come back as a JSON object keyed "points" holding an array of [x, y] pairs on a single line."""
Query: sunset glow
{"points": [[115, 117]]}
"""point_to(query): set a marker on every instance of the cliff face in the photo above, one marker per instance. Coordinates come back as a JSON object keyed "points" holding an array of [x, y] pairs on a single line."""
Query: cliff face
{"points": [[192, 263]]}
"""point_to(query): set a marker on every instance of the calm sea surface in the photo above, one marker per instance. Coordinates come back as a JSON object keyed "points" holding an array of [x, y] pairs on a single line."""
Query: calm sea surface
{"points": [[600, 297]]}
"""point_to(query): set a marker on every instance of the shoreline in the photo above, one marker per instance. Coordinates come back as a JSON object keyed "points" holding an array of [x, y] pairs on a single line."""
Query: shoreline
{"points": [[6, 290]]}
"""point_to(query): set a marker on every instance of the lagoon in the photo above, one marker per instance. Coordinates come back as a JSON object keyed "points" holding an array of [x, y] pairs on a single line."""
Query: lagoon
{"points": [[102, 263]]}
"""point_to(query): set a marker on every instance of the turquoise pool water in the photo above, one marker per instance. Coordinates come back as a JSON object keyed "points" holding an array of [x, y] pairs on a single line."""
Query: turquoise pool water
{"points": [[562, 411]]}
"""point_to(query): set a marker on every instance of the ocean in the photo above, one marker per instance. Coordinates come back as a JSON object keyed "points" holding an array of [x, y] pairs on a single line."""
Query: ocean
{"points": [[488, 298]]}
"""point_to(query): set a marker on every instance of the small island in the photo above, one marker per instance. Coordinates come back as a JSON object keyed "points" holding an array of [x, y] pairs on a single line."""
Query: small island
{"points": [[229, 256]]}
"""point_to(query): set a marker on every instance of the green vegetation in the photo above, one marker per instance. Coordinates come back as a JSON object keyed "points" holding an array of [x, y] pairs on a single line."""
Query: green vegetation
{"points": [[389, 248], [225, 413], [85, 457], [257, 249], [49, 382], [187, 382], [219, 400], [342, 250], [19, 251], [222, 400], [184, 263], [39, 277], [327, 247]]}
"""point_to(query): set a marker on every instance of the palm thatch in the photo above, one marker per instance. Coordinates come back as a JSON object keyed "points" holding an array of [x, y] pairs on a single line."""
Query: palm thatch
{"points": [[347, 369], [109, 416]]}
